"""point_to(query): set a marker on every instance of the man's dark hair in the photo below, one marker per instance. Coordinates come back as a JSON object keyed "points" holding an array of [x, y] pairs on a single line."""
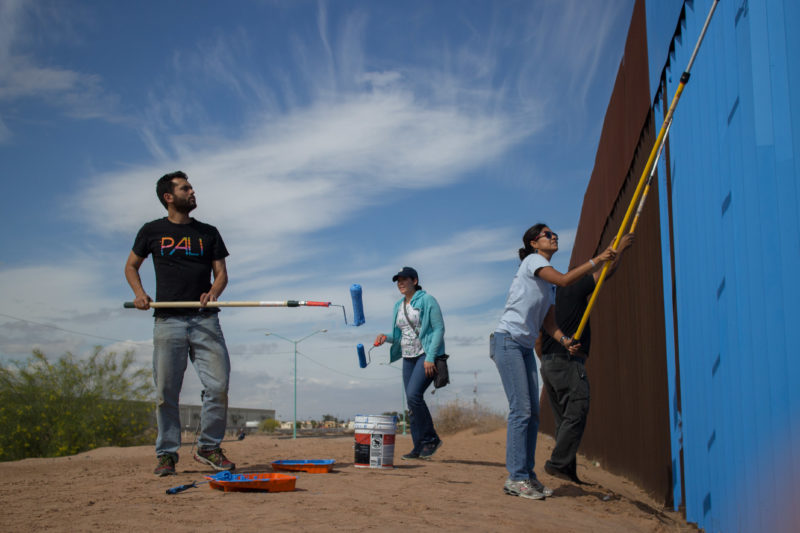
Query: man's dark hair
{"points": [[165, 185]]}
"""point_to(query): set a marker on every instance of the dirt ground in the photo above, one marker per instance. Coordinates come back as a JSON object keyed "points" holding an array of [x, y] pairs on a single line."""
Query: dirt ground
{"points": [[113, 489]]}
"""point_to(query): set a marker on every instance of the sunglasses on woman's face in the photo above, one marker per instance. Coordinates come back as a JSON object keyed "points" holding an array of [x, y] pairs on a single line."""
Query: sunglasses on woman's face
{"points": [[548, 234]]}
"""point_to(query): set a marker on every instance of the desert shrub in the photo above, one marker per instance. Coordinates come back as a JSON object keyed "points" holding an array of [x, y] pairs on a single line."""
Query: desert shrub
{"points": [[269, 425], [457, 416], [73, 405]]}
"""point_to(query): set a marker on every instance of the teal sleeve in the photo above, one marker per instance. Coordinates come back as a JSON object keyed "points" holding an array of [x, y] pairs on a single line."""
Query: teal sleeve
{"points": [[435, 341], [391, 336]]}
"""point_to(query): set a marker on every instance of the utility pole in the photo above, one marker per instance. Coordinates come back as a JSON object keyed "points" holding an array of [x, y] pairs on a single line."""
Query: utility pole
{"points": [[295, 343]]}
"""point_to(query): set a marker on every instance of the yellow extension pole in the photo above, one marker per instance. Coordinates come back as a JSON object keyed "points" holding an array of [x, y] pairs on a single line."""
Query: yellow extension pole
{"points": [[647, 186], [646, 172]]}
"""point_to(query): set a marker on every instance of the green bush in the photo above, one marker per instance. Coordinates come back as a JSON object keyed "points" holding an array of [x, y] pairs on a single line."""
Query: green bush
{"points": [[63, 408], [269, 425]]}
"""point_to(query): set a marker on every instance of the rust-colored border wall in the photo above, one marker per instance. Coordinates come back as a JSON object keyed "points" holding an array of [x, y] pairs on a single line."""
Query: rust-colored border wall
{"points": [[628, 427], [626, 115]]}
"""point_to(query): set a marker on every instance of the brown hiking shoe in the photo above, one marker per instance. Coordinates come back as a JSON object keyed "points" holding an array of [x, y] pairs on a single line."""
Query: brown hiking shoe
{"points": [[166, 466], [215, 458]]}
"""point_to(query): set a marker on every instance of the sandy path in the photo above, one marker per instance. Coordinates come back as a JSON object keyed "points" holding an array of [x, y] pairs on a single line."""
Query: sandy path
{"points": [[113, 489]]}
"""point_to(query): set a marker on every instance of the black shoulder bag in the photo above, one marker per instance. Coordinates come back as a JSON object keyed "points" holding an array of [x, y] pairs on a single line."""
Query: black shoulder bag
{"points": [[442, 376]]}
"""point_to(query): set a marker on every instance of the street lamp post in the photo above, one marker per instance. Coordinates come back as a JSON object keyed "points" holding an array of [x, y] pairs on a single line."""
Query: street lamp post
{"points": [[295, 343]]}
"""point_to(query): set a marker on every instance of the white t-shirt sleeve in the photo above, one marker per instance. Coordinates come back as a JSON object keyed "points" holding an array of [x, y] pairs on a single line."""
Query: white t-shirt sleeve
{"points": [[536, 262]]}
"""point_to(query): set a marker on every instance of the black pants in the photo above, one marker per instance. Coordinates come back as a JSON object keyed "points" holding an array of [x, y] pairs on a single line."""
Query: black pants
{"points": [[567, 386]]}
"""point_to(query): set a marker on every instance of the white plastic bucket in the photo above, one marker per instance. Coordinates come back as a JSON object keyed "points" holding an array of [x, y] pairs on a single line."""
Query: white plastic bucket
{"points": [[374, 441]]}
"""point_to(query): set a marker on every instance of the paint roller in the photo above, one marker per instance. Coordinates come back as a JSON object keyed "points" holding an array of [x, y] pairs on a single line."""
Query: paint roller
{"points": [[355, 297], [358, 305], [181, 488], [364, 358]]}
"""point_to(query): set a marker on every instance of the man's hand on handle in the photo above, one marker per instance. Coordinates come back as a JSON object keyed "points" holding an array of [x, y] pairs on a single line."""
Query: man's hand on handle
{"points": [[207, 297], [573, 346], [142, 302]]}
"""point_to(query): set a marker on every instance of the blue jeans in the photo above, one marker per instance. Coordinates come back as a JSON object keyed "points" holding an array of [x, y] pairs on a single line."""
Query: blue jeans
{"points": [[517, 368], [198, 338], [416, 382]]}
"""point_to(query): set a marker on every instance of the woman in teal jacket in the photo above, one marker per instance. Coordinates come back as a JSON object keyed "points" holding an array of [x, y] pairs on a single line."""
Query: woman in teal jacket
{"points": [[418, 337]]}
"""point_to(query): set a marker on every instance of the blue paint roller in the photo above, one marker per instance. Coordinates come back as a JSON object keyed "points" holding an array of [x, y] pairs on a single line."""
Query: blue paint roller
{"points": [[358, 306], [364, 358], [181, 488]]}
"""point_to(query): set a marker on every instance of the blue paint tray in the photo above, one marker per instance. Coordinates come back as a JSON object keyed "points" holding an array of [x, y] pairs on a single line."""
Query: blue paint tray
{"points": [[312, 466]]}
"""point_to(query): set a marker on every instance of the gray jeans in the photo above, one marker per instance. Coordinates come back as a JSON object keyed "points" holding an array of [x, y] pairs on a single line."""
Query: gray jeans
{"points": [[176, 340], [567, 386]]}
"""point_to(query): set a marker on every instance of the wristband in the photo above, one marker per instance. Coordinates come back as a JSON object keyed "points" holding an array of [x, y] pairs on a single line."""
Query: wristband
{"points": [[562, 339], [591, 262]]}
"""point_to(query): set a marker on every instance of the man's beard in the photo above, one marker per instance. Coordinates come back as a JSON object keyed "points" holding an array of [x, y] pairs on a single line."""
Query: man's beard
{"points": [[183, 206]]}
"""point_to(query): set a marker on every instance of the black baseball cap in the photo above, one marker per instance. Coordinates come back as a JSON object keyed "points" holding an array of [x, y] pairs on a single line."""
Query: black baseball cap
{"points": [[407, 272]]}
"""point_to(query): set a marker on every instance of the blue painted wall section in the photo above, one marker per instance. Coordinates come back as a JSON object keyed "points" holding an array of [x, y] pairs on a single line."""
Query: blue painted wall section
{"points": [[734, 157], [676, 424]]}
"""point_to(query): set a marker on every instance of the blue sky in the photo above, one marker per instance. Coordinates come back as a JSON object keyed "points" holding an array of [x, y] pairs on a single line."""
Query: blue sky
{"points": [[330, 142]]}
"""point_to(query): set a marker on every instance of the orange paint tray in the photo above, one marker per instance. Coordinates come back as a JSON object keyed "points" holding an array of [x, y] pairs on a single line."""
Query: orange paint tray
{"points": [[269, 482], [312, 466]]}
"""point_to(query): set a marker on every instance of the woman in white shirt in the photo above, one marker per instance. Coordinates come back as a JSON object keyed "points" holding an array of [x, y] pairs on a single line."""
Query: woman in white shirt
{"points": [[528, 308]]}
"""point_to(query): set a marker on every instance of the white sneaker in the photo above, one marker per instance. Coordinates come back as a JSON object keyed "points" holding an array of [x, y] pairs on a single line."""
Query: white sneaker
{"points": [[522, 488], [539, 486]]}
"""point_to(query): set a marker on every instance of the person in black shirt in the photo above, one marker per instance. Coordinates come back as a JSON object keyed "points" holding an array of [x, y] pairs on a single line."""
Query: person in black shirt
{"points": [[564, 375], [185, 253]]}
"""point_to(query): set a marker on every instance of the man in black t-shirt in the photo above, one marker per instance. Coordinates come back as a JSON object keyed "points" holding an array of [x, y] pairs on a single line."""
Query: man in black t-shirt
{"points": [[185, 254], [564, 375]]}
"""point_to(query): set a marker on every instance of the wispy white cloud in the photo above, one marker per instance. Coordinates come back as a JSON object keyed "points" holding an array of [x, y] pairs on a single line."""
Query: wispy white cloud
{"points": [[24, 76], [309, 170], [577, 34], [21, 79], [58, 289]]}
